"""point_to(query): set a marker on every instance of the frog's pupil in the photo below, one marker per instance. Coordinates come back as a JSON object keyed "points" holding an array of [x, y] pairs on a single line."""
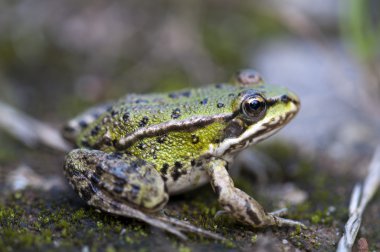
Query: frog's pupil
{"points": [[255, 105]]}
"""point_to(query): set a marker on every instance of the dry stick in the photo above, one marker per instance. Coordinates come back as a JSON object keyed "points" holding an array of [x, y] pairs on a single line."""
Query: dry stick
{"points": [[28, 130], [360, 197]]}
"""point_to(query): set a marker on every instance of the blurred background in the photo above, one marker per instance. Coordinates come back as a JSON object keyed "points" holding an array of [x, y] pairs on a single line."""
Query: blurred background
{"points": [[59, 57]]}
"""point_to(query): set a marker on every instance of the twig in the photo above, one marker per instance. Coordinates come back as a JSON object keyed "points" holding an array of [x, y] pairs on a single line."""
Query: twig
{"points": [[28, 130], [360, 197]]}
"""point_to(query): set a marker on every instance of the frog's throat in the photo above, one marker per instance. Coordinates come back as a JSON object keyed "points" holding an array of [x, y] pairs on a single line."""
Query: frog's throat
{"points": [[254, 134], [196, 121]]}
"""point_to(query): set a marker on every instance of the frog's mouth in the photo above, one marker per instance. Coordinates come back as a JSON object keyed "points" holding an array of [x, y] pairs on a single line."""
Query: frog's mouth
{"points": [[258, 131]]}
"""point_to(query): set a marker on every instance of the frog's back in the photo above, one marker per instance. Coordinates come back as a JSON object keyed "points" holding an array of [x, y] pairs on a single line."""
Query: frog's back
{"points": [[135, 111]]}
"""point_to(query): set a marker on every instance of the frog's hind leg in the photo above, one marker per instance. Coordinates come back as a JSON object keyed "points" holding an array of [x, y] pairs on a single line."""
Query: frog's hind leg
{"points": [[123, 185], [78, 124]]}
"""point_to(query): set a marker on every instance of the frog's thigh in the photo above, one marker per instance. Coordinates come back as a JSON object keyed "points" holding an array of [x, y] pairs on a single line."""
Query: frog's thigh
{"points": [[113, 181], [238, 203]]}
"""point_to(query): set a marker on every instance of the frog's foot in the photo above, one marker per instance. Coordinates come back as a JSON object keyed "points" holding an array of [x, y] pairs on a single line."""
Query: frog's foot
{"points": [[238, 203], [184, 226], [122, 185], [102, 201]]}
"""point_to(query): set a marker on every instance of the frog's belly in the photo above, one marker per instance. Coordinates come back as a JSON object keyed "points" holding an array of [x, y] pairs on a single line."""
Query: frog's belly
{"points": [[195, 177]]}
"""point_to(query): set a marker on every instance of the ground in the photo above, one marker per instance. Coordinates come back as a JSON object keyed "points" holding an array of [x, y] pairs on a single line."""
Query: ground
{"points": [[34, 219]]}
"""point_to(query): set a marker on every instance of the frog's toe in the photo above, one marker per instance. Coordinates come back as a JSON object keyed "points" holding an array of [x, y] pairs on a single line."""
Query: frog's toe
{"points": [[278, 221], [280, 212], [190, 228]]}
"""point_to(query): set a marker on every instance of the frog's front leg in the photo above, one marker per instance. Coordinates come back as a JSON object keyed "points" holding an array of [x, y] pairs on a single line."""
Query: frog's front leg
{"points": [[237, 203]]}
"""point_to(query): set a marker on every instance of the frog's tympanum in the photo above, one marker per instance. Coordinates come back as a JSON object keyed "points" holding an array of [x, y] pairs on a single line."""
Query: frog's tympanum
{"points": [[133, 153]]}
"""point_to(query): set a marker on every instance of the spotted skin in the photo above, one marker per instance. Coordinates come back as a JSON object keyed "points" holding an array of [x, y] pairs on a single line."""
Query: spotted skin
{"points": [[135, 152]]}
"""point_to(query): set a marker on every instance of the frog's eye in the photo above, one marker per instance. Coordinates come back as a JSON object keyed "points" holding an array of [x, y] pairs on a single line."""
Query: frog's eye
{"points": [[254, 107], [248, 77]]}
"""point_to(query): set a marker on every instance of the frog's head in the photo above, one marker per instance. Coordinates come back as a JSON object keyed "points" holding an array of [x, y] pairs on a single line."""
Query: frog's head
{"points": [[260, 109]]}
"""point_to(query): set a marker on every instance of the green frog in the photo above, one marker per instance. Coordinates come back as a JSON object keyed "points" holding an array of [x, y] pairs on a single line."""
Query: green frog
{"points": [[133, 153]]}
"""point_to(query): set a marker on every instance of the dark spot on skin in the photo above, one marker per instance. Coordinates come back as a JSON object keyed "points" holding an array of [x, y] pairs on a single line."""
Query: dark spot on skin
{"points": [[161, 139], [95, 130], [165, 168], [176, 173], [192, 162], [99, 170], [107, 141], [113, 113], [86, 193], [70, 170], [85, 143], [220, 105], [118, 189], [136, 164], [218, 86], [95, 179], [141, 101], [177, 95], [141, 146], [176, 113], [194, 139], [114, 206], [217, 190], [120, 182], [217, 141], [173, 95], [204, 101], [199, 163], [126, 117], [178, 164], [186, 93], [83, 124], [135, 191], [144, 121], [252, 215]]}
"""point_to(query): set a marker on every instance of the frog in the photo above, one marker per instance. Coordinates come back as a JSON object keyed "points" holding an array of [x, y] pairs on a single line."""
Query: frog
{"points": [[132, 154]]}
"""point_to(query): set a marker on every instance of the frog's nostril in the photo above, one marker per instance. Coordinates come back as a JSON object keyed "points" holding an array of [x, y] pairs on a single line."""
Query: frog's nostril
{"points": [[290, 97], [285, 98]]}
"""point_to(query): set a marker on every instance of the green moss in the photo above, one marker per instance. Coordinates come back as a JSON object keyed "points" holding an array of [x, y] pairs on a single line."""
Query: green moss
{"points": [[183, 248], [254, 238]]}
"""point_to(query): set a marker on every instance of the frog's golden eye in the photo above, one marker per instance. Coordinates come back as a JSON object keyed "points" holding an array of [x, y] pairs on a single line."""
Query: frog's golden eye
{"points": [[254, 107]]}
